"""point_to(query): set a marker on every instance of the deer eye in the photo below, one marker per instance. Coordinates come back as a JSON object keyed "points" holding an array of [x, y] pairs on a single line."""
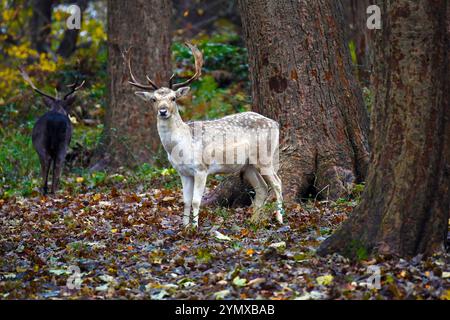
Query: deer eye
{"points": [[153, 99], [173, 99]]}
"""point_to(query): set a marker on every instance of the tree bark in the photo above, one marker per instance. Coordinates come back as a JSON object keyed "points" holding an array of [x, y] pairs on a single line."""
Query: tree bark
{"points": [[405, 207], [40, 25], [130, 135], [302, 77]]}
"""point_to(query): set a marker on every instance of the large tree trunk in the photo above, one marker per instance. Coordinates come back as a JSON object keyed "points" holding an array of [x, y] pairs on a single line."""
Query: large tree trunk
{"points": [[130, 135], [301, 76], [40, 25], [405, 207]]}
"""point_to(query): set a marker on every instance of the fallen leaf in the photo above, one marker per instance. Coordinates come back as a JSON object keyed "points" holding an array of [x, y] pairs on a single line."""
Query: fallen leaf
{"points": [[257, 281], [239, 282], [221, 236], [278, 245], [158, 296], [103, 287], [446, 295], [250, 252], [220, 295], [325, 280]]}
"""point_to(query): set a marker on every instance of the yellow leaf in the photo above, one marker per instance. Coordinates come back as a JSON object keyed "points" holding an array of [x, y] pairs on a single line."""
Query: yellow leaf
{"points": [[79, 179], [250, 252], [73, 119], [96, 197], [325, 280], [20, 269], [113, 230], [446, 295]]}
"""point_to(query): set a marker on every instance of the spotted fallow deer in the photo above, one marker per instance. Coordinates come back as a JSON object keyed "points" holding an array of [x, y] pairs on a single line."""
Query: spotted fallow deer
{"points": [[245, 142]]}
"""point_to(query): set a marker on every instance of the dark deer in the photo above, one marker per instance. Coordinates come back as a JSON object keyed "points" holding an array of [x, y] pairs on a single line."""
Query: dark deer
{"points": [[52, 132]]}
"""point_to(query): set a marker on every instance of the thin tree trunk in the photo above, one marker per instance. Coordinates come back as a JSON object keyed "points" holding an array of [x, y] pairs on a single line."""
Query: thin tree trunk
{"points": [[40, 25], [301, 76], [405, 207], [130, 135], [68, 43]]}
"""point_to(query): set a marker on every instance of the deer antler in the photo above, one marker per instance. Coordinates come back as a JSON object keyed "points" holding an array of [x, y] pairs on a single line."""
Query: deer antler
{"points": [[198, 57], [127, 57], [75, 87], [27, 79]]}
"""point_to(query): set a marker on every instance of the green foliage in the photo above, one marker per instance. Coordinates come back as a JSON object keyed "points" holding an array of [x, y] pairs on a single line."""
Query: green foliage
{"points": [[204, 255], [217, 56], [222, 212], [19, 164], [356, 250], [368, 98], [352, 48], [222, 89], [142, 177], [357, 191], [354, 198]]}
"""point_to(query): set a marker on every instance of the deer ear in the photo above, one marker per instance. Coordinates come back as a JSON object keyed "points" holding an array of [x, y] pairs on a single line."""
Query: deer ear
{"points": [[182, 92], [144, 95]]}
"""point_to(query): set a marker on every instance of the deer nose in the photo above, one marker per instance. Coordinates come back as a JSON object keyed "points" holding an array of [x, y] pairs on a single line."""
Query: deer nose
{"points": [[163, 112]]}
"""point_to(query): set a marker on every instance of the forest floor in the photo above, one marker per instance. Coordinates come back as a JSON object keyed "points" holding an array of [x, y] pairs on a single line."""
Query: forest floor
{"points": [[132, 246]]}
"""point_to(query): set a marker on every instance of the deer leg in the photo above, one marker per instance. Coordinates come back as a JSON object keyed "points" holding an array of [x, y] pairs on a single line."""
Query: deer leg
{"points": [[261, 190], [45, 168], [57, 166], [199, 188], [275, 183], [188, 187]]}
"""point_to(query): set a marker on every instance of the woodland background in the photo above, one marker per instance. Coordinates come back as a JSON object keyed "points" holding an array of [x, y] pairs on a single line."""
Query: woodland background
{"points": [[118, 215]]}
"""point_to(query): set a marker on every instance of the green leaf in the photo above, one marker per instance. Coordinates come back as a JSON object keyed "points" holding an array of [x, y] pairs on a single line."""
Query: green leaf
{"points": [[239, 282], [220, 295], [325, 280]]}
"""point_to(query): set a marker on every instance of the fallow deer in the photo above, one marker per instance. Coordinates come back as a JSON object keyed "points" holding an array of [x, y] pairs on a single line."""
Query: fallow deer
{"points": [[52, 132], [196, 149]]}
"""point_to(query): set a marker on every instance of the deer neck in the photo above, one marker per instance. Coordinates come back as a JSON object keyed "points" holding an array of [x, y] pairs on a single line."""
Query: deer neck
{"points": [[61, 110], [173, 131]]}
